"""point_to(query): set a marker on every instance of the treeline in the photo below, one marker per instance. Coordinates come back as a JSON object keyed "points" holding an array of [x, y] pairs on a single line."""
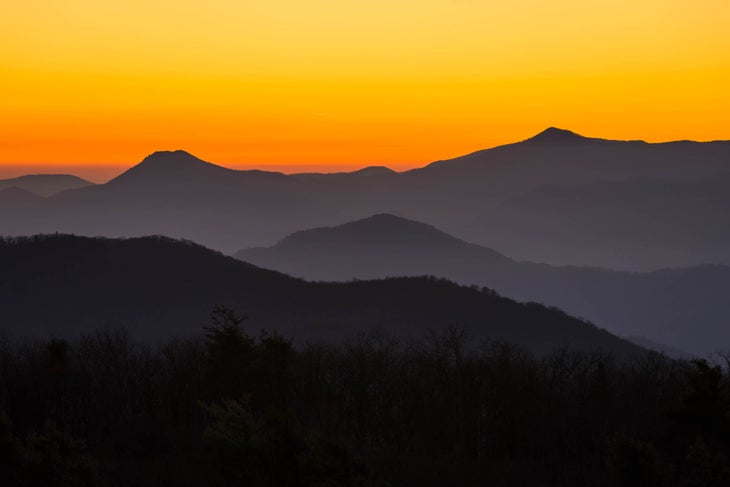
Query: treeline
{"points": [[232, 408]]}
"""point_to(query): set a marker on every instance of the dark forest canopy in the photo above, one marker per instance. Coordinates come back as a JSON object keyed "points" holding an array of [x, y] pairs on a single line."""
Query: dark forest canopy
{"points": [[231, 408], [157, 287]]}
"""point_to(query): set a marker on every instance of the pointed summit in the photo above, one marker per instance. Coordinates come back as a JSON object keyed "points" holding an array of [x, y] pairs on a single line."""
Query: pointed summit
{"points": [[173, 160], [171, 166], [554, 135]]}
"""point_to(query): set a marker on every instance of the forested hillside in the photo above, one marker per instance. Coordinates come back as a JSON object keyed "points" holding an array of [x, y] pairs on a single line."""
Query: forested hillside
{"points": [[157, 288]]}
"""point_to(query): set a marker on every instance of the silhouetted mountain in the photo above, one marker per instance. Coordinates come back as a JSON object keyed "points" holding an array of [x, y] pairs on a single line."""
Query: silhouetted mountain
{"points": [[377, 229], [176, 194], [166, 170], [157, 287], [44, 184], [171, 166], [487, 179], [684, 308]]}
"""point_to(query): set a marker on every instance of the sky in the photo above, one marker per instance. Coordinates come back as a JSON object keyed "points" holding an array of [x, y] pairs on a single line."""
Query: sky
{"points": [[92, 86]]}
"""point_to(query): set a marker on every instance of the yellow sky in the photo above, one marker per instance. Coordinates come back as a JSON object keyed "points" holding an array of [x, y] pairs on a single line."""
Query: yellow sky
{"points": [[350, 83]]}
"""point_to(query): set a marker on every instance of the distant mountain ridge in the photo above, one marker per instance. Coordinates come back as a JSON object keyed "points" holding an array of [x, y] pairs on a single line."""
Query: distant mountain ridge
{"points": [[44, 184], [369, 171], [684, 308], [177, 194], [18, 196], [157, 287], [380, 228]]}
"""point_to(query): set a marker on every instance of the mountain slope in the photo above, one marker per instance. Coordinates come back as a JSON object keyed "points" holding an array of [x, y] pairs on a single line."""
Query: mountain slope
{"points": [[684, 308], [649, 223], [17, 196], [156, 287]]}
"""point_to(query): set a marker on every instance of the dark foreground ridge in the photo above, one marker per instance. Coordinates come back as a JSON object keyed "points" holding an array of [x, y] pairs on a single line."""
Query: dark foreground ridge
{"points": [[157, 288]]}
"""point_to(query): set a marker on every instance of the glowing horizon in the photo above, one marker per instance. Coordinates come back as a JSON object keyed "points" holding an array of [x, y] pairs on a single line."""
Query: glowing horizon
{"points": [[339, 85]]}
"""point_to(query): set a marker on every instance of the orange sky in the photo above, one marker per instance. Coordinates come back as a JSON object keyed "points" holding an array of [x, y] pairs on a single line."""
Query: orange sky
{"points": [[343, 83]]}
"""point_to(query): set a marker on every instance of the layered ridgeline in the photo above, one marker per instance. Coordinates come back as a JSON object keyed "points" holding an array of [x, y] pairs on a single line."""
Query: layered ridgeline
{"points": [[44, 184], [640, 223], [156, 288], [685, 308], [500, 197]]}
